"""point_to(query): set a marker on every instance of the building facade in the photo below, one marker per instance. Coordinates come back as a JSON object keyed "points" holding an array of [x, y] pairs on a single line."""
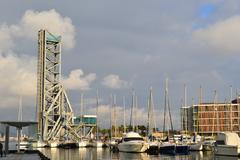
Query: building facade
{"points": [[211, 118], [186, 119]]}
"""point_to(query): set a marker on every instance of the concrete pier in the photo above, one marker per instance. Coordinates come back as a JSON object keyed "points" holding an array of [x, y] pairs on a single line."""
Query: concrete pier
{"points": [[21, 156]]}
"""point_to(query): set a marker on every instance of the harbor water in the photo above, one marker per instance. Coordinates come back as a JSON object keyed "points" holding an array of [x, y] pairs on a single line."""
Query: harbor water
{"points": [[106, 154]]}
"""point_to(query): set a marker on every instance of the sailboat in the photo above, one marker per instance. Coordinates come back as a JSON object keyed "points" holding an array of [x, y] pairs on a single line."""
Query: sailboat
{"points": [[166, 147], [98, 143], [153, 143], [209, 142], [83, 142], [24, 144], [195, 143]]}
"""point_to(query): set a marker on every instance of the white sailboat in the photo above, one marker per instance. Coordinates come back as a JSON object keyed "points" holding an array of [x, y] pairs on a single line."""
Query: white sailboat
{"points": [[97, 143], [112, 143], [153, 143], [196, 143], [23, 144], [166, 147], [83, 142]]}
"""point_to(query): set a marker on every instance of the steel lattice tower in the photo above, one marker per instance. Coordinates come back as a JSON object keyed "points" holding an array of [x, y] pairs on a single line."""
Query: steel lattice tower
{"points": [[54, 110]]}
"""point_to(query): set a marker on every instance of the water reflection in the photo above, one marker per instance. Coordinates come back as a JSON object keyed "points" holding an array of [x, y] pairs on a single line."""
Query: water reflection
{"points": [[133, 156], [106, 154], [226, 157]]}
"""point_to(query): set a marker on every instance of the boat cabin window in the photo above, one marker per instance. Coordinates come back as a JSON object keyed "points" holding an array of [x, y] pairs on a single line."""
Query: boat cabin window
{"points": [[220, 142], [133, 139]]}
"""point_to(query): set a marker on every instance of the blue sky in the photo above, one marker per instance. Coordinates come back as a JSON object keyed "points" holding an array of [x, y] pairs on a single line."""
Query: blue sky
{"points": [[207, 10], [119, 45]]}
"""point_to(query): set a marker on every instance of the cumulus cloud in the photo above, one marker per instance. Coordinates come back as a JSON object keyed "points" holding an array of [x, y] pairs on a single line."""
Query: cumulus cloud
{"points": [[140, 115], [104, 111], [18, 78], [6, 40], [18, 73], [114, 82], [32, 22], [224, 36], [78, 81]]}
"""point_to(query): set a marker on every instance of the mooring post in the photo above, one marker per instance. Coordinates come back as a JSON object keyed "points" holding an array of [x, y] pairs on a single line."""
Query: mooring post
{"points": [[6, 139]]}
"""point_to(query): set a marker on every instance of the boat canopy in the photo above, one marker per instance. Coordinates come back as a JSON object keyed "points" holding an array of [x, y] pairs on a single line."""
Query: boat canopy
{"points": [[132, 134], [228, 138]]}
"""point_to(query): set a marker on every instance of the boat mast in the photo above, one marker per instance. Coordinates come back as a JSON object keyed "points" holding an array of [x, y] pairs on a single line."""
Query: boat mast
{"points": [[81, 115], [231, 129], [215, 113], [97, 103], [165, 105], [115, 118], [132, 111], [170, 116], [151, 118], [124, 121], [148, 120], [111, 104], [200, 95], [135, 111], [185, 110], [20, 109]]}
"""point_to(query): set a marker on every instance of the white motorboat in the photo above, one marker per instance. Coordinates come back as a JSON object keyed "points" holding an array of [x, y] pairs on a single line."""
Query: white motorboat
{"points": [[227, 143], [132, 142]]}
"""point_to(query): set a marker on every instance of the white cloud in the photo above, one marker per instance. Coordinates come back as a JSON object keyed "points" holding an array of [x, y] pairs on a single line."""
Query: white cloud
{"points": [[18, 73], [6, 37], [140, 115], [18, 77], [224, 36], [114, 82], [32, 22], [104, 115], [78, 81]]}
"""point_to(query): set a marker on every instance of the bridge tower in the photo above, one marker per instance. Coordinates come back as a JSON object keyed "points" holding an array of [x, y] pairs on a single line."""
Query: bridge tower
{"points": [[54, 110]]}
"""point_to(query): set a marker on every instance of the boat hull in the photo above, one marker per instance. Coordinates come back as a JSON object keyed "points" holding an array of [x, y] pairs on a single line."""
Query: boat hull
{"points": [[208, 147], [153, 148], [136, 147], [167, 149], [182, 149], [227, 150], [98, 144], [196, 147], [82, 144]]}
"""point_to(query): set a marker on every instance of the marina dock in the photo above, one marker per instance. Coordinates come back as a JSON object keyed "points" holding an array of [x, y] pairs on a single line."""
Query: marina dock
{"points": [[24, 155]]}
